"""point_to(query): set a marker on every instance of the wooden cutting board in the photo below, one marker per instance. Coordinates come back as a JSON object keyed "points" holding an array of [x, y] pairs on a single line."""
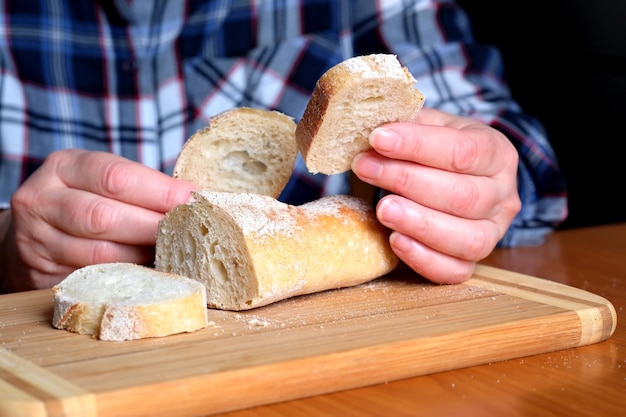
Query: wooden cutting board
{"points": [[391, 328]]}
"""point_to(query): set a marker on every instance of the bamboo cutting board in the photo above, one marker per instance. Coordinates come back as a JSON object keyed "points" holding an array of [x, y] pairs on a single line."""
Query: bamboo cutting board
{"points": [[391, 328]]}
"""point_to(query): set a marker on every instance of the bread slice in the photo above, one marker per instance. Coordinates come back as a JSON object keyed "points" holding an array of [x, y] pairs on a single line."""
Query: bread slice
{"points": [[242, 150], [124, 301], [251, 250], [348, 102]]}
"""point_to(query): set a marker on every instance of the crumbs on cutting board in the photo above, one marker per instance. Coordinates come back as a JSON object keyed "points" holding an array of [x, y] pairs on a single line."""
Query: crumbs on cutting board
{"points": [[250, 320], [348, 306], [216, 328], [257, 322]]}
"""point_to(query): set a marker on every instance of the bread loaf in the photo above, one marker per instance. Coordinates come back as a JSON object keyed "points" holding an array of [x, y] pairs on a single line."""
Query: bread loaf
{"points": [[242, 150], [348, 102], [251, 250], [124, 301]]}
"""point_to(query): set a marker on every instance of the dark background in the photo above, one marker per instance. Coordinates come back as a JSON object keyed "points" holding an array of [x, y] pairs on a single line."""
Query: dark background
{"points": [[565, 62]]}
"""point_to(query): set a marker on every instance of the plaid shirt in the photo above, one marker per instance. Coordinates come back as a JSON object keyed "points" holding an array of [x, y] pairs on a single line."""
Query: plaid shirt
{"points": [[137, 78]]}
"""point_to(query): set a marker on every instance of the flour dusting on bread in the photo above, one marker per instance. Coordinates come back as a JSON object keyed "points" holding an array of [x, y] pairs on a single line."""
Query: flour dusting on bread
{"points": [[258, 214], [378, 65]]}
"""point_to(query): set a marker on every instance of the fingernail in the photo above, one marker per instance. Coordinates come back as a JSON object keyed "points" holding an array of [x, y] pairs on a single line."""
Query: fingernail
{"points": [[367, 167], [402, 243], [383, 139], [390, 211]]}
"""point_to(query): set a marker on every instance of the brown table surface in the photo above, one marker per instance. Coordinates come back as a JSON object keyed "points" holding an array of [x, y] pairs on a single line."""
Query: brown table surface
{"points": [[585, 381]]}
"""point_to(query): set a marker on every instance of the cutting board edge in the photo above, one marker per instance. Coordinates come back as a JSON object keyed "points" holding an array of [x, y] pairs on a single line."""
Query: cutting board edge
{"points": [[596, 313], [351, 363]]}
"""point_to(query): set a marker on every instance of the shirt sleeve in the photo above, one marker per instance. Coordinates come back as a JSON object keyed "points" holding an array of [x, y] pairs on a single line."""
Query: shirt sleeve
{"points": [[459, 76]]}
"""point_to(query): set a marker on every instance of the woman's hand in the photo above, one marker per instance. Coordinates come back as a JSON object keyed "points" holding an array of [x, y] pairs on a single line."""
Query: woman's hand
{"points": [[453, 184], [81, 208]]}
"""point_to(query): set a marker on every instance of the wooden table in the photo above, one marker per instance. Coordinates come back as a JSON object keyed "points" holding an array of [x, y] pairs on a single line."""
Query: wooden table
{"points": [[585, 381]]}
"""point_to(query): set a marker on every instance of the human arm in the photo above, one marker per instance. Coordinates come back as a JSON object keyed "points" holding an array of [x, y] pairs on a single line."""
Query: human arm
{"points": [[81, 208]]}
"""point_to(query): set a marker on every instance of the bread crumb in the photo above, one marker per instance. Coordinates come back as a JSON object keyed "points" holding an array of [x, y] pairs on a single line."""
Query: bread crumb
{"points": [[257, 322]]}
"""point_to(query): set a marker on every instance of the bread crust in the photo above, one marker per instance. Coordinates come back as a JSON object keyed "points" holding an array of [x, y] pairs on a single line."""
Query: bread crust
{"points": [[102, 300], [348, 102], [252, 250]]}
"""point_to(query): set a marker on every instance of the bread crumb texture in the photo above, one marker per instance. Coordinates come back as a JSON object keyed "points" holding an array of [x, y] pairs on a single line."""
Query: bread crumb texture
{"points": [[242, 150], [124, 301]]}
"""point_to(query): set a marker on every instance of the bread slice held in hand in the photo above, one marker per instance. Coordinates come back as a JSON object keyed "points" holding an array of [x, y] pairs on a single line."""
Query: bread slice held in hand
{"points": [[124, 301], [349, 101], [251, 250], [242, 150]]}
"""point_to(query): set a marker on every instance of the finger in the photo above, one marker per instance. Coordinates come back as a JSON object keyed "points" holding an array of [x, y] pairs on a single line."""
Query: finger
{"points": [[474, 149], [70, 252], [91, 216], [430, 264], [466, 196], [120, 179], [469, 240], [43, 264]]}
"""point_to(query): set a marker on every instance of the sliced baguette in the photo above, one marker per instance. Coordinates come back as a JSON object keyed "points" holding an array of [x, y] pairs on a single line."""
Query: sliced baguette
{"points": [[348, 102], [242, 150], [251, 250], [124, 301]]}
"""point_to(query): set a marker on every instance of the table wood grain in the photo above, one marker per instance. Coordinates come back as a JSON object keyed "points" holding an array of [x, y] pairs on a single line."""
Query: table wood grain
{"points": [[583, 381]]}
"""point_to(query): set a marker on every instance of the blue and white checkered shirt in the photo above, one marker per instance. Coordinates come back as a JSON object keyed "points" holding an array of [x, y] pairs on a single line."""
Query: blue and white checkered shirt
{"points": [[137, 78]]}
